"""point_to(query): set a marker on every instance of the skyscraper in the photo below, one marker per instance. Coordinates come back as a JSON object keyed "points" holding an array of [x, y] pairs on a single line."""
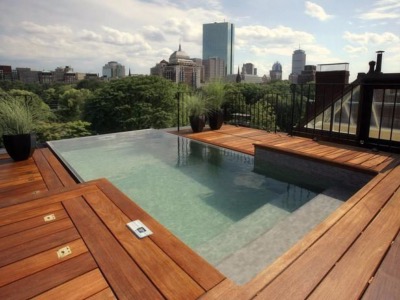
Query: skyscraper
{"points": [[219, 41], [298, 63]]}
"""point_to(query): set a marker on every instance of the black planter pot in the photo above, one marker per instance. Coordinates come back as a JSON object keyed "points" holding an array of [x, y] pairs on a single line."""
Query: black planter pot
{"points": [[21, 146], [197, 123], [216, 119]]}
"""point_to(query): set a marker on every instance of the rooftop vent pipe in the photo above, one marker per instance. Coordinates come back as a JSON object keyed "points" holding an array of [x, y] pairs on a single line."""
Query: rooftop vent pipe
{"points": [[379, 61]]}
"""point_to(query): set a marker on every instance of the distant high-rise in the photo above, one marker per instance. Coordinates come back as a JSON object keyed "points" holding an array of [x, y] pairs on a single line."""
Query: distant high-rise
{"points": [[298, 63], [276, 72], [113, 70], [219, 41], [249, 69], [214, 68]]}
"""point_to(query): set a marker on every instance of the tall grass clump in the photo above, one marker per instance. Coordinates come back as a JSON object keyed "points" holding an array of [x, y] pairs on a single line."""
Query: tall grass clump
{"points": [[15, 117]]}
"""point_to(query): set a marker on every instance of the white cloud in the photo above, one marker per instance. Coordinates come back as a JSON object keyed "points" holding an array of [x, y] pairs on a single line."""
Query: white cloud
{"points": [[183, 28], [355, 50], [383, 10], [375, 15], [316, 11], [90, 36], [280, 35], [371, 38], [153, 34], [31, 27], [118, 37]]}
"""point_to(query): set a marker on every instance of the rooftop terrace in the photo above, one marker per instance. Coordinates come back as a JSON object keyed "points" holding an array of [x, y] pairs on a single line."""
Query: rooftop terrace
{"points": [[61, 238]]}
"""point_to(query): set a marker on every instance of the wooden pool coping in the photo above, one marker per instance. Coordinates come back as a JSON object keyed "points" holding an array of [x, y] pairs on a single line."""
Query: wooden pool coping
{"points": [[351, 254]]}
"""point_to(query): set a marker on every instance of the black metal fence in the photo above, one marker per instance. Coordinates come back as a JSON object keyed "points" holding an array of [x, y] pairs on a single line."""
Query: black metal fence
{"points": [[360, 114]]}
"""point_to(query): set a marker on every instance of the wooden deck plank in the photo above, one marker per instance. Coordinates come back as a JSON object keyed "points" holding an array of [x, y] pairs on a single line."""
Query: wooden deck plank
{"points": [[56, 196], [375, 161], [103, 295], [8, 165], [344, 158], [19, 213], [65, 178], [349, 277], [33, 247], [359, 159], [163, 272], [34, 233], [49, 176], [386, 283], [49, 278], [322, 256], [8, 171], [224, 290], [123, 275], [45, 197], [26, 189], [390, 163], [283, 262], [38, 262], [291, 141], [200, 270], [80, 287], [19, 179], [16, 227]]}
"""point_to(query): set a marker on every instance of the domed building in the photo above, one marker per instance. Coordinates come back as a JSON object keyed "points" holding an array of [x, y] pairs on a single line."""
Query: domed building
{"points": [[180, 69], [276, 72], [179, 57]]}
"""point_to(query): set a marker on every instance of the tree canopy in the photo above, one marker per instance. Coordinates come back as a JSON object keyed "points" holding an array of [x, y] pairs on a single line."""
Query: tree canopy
{"points": [[131, 103]]}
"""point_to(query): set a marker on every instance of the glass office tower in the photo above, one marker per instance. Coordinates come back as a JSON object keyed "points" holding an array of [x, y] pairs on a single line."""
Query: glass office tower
{"points": [[219, 41]]}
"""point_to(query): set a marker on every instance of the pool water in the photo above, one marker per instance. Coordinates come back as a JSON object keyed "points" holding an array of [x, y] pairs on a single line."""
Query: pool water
{"points": [[203, 194]]}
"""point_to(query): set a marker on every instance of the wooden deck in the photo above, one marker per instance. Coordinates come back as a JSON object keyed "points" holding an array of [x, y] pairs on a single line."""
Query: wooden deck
{"points": [[243, 139], [354, 253], [44, 213]]}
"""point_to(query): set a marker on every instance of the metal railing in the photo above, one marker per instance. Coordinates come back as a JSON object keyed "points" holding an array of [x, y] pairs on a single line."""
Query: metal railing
{"points": [[366, 115]]}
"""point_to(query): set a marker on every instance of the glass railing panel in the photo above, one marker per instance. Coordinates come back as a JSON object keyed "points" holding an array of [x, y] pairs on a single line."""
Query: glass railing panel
{"points": [[385, 115]]}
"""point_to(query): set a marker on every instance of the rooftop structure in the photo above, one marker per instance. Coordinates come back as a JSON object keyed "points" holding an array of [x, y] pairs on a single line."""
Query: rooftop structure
{"points": [[307, 75]]}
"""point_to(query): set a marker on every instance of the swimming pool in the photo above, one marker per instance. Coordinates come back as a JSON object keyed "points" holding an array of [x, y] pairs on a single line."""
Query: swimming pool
{"points": [[209, 197]]}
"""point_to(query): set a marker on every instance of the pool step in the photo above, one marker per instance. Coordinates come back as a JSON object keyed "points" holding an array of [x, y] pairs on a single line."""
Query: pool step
{"points": [[245, 263]]}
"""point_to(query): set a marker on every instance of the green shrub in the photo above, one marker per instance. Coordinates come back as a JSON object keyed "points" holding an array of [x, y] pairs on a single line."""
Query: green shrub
{"points": [[58, 131]]}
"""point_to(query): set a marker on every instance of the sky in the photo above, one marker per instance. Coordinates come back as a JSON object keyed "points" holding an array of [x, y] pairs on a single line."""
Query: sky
{"points": [[86, 34]]}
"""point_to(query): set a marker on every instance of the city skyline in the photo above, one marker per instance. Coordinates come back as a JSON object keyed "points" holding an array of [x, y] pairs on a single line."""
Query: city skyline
{"points": [[43, 35]]}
